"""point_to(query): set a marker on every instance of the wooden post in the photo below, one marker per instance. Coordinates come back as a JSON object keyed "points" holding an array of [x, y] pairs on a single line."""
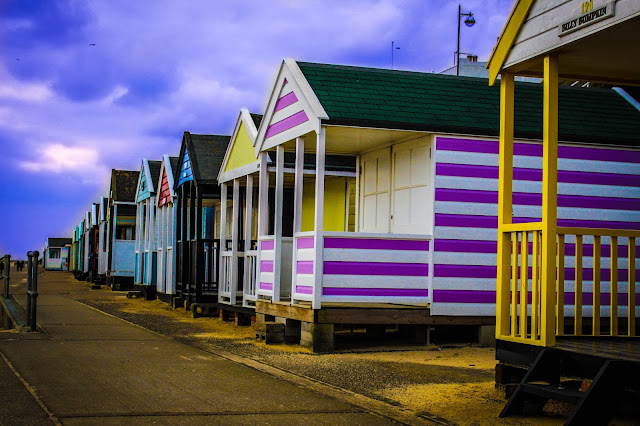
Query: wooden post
{"points": [[549, 199], [235, 218], [263, 197], [505, 191], [631, 289], [222, 272], [248, 225], [297, 207], [319, 219], [277, 225], [199, 260]]}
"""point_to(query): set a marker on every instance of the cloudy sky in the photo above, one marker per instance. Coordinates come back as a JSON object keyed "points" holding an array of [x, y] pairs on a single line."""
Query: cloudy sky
{"points": [[87, 86]]}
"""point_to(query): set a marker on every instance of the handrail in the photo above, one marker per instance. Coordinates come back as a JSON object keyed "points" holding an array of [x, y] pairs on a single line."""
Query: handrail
{"points": [[7, 276], [524, 287]]}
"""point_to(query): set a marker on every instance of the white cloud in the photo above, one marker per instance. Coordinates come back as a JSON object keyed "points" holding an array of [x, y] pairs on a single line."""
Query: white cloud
{"points": [[75, 160], [25, 92]]}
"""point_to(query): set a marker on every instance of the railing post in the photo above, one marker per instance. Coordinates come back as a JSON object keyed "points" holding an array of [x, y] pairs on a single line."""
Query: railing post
{"points": [[29, 280], [549, 199], [505, 186], [7, 276], [33, 293]]}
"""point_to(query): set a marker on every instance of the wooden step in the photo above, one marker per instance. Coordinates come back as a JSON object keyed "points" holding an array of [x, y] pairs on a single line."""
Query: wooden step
{"points": [[553, 392]]}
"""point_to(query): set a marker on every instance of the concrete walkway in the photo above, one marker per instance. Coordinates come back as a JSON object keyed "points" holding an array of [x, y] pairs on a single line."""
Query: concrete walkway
{"points": [[87, 367]]}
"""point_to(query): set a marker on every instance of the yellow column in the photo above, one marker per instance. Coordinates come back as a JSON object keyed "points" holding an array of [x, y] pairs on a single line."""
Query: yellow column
{"points": [[549, 200], [505, 191]]}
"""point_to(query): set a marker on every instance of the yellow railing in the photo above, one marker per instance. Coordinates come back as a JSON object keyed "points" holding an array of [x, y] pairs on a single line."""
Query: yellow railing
{"points": [[523, 292]]}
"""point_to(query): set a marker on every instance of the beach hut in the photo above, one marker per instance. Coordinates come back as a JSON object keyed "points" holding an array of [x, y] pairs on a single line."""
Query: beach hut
{"points": [[146, 262], [567, 299], [79, 255], [167, 210], [238, 178], [413, 241], [103, 231], [198, 194], [57, 254], [122, 226], [90, 241], [73, 251]]}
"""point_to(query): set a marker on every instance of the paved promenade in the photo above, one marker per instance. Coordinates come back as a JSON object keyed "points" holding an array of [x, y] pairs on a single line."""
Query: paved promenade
{"points": [[87, 367]]}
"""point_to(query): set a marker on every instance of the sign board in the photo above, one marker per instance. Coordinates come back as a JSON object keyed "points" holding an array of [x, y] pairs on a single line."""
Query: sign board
{"points": [[588, 15]]}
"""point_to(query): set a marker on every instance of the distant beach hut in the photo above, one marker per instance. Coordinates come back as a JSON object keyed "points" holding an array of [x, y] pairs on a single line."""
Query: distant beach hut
{"points": [[146, 267], [122, 226], [57, 254], [198, 193], [166, 229]]}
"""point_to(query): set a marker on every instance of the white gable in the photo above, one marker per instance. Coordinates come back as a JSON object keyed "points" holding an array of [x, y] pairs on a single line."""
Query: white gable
{"points": [[293, 109]]}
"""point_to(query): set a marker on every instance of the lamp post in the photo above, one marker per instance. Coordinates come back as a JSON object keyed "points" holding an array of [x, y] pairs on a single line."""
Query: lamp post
{"points": [[469, 22]]}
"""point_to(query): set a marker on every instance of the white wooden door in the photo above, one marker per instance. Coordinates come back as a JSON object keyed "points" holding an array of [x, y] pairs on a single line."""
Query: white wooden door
{"points": [[376, 181], [410, 203]]}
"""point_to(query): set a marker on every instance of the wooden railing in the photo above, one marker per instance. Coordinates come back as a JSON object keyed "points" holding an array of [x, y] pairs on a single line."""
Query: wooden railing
{"points": [[251, 268], [583, 297], [225, 276]]}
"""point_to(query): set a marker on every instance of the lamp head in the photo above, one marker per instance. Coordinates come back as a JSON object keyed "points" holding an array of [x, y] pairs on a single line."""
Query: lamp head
{"points": [[470, 22]]}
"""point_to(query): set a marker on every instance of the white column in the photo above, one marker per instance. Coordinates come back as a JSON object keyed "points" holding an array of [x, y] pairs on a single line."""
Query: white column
{"points": [[223, 220], [247, 233], [319, 219], [277, 222], [297, 208], [234, 240], [263, 197]]}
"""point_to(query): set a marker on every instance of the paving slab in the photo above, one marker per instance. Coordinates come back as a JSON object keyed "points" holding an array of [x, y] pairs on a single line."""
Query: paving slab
{"points": [[88, 368]]}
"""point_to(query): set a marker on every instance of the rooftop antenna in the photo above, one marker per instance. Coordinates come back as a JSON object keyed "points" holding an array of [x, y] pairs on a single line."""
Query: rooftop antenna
{"points": [[392, 51]]}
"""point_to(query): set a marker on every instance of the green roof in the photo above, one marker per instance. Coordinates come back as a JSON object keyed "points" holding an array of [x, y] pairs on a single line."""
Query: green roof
{"points": [[383, 98]]}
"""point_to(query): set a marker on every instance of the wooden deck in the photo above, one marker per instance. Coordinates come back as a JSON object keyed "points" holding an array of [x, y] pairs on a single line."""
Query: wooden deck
{"points": [[625, 349]]}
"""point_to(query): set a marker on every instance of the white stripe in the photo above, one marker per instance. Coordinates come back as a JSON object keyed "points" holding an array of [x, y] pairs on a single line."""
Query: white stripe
{"points": [[286, 112], [451, 258], [605, 262], [266, 277], [480, 159], [306, 254], [455, 233], [387, 256], [306, 279], [587, 190], [419, 301], [368, 281], [605, 311], [300, 296], [464, 309], [267, 255], [486, 209], [478, 284]]}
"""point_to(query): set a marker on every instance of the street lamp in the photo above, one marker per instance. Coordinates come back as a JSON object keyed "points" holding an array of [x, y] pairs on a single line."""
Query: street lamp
{"points": [[469, 22]]}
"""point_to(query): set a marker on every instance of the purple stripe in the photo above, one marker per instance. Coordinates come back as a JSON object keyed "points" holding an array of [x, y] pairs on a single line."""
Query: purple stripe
{"points": [[605, 299], [374, 268], [267, 245], [535, 175], [266, 286], [527, 199], [483, 271], [285, 101], [464, 271], [466, 246], [304, 267], [304, 289], [266, 266], [286, 124], [381, 292], [470, 221], [535, 150], [305, 243], [463, 296], [375, 244]]}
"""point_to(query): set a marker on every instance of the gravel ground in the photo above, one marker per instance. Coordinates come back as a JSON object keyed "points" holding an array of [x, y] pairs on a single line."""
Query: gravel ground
{"points": [[452, 383]]}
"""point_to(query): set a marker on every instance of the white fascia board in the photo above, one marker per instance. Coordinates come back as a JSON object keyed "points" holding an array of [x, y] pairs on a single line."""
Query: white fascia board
{"points": [[238, 172], [147, 172], [243, 117], [289, 70]]}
